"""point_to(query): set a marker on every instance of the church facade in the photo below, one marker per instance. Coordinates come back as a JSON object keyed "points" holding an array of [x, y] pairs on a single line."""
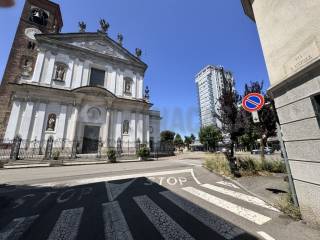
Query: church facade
{"points": [[82, 86]]}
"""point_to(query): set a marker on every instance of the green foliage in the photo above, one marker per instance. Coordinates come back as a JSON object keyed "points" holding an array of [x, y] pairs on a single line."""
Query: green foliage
{"points": [[251, 166], [178, 142], [143, 152], [112, 155], [167, 136], [210, 136], [267, 115], [219, 164], [187, 141], [56, 154], [286, 205]]}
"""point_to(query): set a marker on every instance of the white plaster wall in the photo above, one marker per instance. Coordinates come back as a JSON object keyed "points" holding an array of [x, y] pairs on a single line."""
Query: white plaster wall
{"points": [[290, 35]]}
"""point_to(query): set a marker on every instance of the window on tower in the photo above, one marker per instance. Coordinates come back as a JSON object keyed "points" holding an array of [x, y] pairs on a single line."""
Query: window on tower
{"points": [[39, 16]]}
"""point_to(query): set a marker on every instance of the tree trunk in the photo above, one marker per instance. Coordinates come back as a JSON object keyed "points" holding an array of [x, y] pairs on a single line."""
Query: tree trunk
{"points": [[262, 145]]}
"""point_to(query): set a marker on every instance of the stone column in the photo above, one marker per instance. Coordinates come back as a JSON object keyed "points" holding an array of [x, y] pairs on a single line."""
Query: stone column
{"points": [[26, 121], [107, 128], [38, 66], [85, 77], [140, 127], [118, 132], [69, 73], [50, 68], [77, 76], [74, 124], [61, 122], [13, 121], [147, 129], [134, 86], [39, 122], [133, 127]]}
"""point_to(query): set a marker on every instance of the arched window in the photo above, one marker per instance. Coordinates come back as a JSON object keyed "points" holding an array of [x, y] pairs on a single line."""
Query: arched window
{"points": [[60, 71], [128, 85], [51, 123], [39, 16], [125, 127]]}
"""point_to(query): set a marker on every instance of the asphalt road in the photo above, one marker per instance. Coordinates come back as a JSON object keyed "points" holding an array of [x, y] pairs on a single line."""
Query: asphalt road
{"points": [[175, 199]]}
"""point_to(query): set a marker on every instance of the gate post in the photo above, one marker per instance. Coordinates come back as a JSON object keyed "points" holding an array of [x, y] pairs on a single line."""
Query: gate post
{"points": [[48, 153], [15, 148]]}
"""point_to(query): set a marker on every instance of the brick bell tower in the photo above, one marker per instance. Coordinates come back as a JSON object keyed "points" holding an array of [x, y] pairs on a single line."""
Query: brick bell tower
{"points": [[38, 16]]}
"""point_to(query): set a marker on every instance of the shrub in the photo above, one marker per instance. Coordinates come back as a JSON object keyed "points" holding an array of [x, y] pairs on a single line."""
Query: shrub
{"points": [[112, 155], [56, 155], [218, 163], [248, 165], [286, 205], [143, 152]]}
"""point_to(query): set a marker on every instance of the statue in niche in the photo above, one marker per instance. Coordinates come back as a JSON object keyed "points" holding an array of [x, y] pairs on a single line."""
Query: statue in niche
{"points": [[127, 86], [51, 124], [125, 127], [27, 67], [60, 72]]}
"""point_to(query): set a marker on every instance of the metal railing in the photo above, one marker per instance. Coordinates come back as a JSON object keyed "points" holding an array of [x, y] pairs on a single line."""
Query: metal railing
{"points": [[19, 149]]}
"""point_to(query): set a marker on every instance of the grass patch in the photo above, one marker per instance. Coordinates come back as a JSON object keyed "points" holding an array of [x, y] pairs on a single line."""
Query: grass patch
{"points": [[247, 166], [252, 166], [286, 205], [218, 163]]}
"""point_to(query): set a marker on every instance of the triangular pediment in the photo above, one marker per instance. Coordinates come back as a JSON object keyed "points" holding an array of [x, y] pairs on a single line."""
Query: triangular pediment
{"points": [[100, 46], [96, 43]]}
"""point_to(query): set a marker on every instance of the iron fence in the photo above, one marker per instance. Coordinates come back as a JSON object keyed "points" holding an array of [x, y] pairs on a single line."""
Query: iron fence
{"points": [[19, 149]]}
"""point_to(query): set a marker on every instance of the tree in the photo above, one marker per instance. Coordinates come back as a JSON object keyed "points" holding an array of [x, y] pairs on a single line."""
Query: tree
{"points": [[193, 138], [229, 113], [267, 126], [178, 142], [187, 141], [210, 136], [167, 136]]}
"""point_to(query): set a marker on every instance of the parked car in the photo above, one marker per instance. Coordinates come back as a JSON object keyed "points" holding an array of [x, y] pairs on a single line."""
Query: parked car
{"points": [[267, 150]]}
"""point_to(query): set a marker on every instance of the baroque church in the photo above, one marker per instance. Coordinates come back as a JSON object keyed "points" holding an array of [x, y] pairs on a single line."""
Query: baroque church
{"points": [[81, 86]]}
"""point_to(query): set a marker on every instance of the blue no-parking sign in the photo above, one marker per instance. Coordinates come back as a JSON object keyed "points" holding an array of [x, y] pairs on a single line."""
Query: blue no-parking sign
{"points": [[253, 102]]}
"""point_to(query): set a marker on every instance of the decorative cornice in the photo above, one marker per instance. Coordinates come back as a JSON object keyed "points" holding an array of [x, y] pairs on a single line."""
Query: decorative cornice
{"points": [[247, 7]]}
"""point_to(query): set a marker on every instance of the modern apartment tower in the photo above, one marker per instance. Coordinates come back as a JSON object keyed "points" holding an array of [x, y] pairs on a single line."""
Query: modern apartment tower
{"points": [[209, 83]]}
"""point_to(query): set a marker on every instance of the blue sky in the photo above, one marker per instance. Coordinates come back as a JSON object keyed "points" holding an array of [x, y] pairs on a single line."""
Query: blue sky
{"points": [[178, 39]]}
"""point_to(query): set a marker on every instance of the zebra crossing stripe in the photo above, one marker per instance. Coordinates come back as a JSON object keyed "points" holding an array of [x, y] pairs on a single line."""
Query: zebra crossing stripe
{"points": [[67, 226], [217, 224], [235, 209], [241, 196], [15, 229], [115, 225], [168, 228], [228, 184]]}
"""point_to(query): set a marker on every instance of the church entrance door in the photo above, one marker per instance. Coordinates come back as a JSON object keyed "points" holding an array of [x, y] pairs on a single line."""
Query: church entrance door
{"points": [[90, 139]]}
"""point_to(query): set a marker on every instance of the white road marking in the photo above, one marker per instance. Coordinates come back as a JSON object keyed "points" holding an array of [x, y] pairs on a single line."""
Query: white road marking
{"points": [[241, 196], [168, 228], [238, 210], [115, 189], [114, 178], [15, 229], [217, 224], [115, 225], [265, 236], [229, 184], [67, 226]]}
